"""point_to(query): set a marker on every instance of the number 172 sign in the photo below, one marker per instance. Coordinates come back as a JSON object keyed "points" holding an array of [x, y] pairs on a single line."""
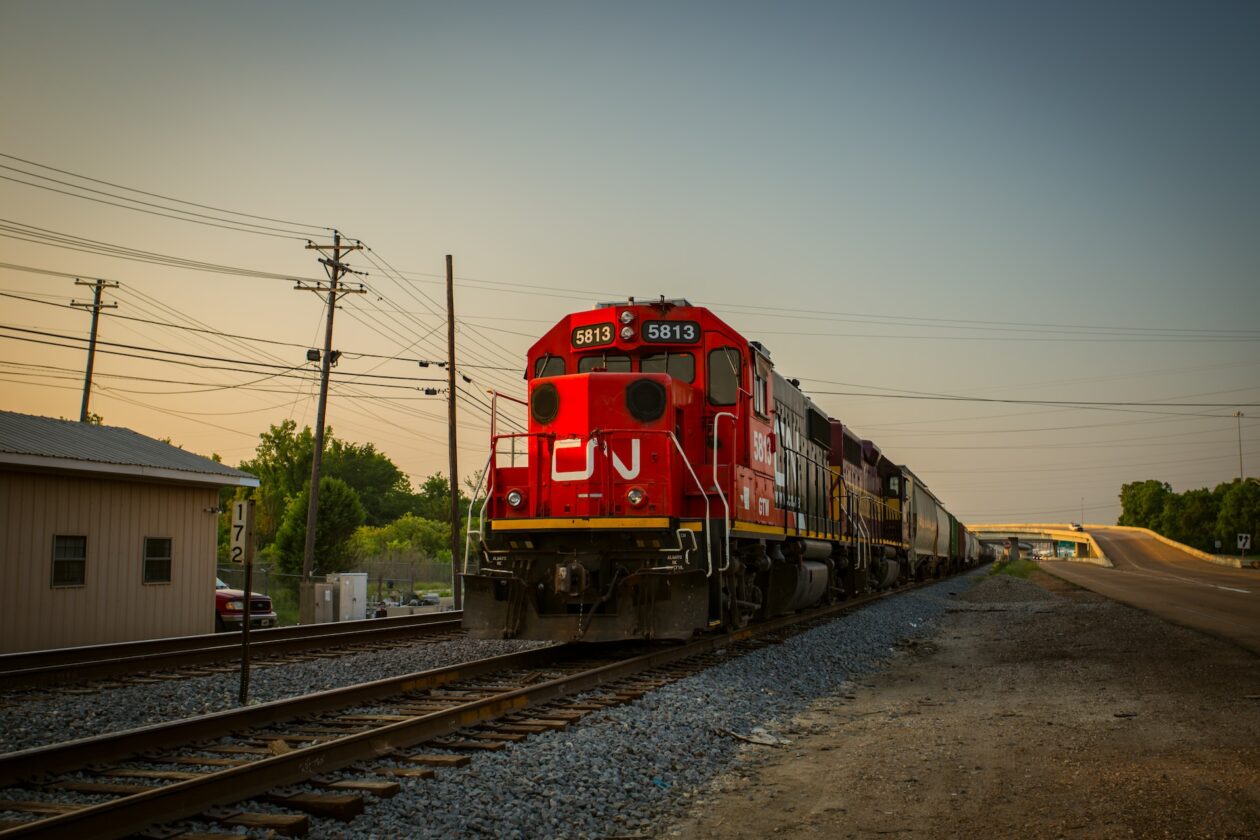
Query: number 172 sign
{"points": [[241, 548]]}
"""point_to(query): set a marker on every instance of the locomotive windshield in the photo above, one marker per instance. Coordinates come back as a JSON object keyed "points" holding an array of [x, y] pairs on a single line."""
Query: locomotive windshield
{"points": [[681, 366], [612, 364], [548, 366]]}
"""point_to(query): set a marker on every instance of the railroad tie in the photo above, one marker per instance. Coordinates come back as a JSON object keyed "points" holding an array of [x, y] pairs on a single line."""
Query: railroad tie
{"points": [[404, 772], [113, 788], [460, 744], [27, 806], [289, 825], [434, 759], [242, 749], [497, 735], [337, 806], [383, 790]]}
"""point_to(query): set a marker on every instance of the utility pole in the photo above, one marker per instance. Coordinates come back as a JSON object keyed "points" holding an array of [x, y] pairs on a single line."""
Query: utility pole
{"points": [[96, 307], [336, 269], [1238, 415], [457, 593]]}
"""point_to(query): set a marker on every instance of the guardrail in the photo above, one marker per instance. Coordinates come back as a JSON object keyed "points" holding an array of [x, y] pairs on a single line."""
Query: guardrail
{"points": [[1233, 562]]}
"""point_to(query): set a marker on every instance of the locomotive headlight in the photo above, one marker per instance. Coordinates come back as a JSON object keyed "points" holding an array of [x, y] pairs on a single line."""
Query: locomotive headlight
{"points": [[636, 496], [627, 333], [626, 316], [515, 498]]}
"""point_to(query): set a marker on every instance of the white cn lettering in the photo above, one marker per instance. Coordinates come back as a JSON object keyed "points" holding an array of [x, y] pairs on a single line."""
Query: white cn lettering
{"points": [[573, 475], [588, 468], [620, 467]]}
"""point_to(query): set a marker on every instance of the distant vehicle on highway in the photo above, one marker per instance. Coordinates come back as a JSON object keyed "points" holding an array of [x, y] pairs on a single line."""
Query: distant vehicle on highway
{"points": [[1076, 526]]}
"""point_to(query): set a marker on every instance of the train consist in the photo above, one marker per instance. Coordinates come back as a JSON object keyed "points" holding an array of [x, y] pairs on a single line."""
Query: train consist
{"points": [[671, 481]]}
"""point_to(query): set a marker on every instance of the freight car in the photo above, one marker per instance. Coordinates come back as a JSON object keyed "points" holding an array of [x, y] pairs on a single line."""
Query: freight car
{"points": [[672, 481]]}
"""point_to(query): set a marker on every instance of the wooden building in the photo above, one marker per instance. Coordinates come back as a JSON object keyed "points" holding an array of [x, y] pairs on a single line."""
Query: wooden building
{"points": [[105, 535]]}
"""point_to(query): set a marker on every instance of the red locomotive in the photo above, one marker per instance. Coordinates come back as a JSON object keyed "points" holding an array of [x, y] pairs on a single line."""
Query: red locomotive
{"points": [[671, 481]]}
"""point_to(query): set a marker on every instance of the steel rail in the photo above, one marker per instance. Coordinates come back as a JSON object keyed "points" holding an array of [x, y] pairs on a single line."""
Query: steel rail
{"points": [[180, 800], [70, 665]]}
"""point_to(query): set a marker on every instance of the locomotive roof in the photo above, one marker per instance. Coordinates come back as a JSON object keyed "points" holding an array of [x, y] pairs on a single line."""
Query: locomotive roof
{"points": [[631, 301]]}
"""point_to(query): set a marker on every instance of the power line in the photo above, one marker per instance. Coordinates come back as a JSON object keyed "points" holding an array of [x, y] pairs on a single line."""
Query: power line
{"points": [[1075, 403], [164, 197], [220, 225], [56, 239]]}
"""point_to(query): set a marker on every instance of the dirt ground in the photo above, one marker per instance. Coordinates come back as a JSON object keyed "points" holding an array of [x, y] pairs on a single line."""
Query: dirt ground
{"points": [[1039, 711]]}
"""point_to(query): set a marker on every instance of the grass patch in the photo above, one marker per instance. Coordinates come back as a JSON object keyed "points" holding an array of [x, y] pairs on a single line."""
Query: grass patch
{"points": [[285, 603], [1020, 568]]}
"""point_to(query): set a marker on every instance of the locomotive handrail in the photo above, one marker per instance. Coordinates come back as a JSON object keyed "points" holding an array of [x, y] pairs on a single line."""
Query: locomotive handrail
{"points": [[708, 555], [726, 538], [481, 516]]}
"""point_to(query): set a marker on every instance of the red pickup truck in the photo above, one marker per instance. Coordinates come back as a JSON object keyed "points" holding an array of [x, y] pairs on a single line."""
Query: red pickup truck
{"points": [[229, 609]]}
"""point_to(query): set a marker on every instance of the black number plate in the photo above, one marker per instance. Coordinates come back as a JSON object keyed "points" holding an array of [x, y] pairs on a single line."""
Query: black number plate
{"points": [[593, 336], [671, 332]]}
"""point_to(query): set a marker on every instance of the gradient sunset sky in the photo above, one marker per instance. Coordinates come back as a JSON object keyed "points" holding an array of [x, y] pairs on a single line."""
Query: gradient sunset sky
{"points": [[965, 201]]}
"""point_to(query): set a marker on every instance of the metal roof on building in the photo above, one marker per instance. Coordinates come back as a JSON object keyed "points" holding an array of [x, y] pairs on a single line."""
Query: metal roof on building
{"points": [[27, 440]]}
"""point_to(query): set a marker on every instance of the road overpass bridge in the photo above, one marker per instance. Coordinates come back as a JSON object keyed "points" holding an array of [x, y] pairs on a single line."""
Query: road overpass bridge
{"points": [[1064, 541]]}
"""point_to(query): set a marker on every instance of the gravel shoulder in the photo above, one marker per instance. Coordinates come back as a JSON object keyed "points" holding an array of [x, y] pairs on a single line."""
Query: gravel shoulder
{"points": [[1038, 711]]}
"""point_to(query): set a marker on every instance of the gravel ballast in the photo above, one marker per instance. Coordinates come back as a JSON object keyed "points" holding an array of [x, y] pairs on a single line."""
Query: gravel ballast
{"points": [[617, 772], [620, 771], [37, 718]]}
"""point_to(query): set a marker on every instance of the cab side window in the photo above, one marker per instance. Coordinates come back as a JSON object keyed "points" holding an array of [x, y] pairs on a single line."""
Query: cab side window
{"points": [[723, 376]]}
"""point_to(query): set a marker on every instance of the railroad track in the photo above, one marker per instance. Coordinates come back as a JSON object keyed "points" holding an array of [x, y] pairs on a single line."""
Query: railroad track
{"points": [[208, 765], [80, 665]]}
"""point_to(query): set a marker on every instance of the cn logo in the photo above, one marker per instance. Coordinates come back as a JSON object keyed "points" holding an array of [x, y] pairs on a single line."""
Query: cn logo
{"points": [[588, 464]]}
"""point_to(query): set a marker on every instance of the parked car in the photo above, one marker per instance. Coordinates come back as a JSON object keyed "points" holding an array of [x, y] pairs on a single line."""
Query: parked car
{"points": [[229, 608]]}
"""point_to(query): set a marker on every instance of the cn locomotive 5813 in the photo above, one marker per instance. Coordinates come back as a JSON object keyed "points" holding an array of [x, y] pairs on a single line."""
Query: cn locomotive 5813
{"points": [[671, 481]]}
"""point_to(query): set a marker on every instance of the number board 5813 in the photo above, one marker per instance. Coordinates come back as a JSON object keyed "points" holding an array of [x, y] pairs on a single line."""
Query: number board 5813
{"points": [[593, 335], [671, 332]]}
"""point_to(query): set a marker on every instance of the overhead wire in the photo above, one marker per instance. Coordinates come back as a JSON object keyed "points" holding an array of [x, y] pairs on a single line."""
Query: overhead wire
{"points": [[163, 197]]}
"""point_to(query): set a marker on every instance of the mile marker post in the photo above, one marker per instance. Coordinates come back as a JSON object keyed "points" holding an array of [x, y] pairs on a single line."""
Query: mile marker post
{"points": [[242, 551]]}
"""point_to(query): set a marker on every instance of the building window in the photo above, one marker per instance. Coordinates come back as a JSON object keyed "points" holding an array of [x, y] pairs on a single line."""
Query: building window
{"points": [[69, 566], [157, 560]]}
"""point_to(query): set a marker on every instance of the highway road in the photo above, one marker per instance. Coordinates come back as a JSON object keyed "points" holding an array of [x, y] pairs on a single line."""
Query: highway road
{"points": [[1165, 581]]}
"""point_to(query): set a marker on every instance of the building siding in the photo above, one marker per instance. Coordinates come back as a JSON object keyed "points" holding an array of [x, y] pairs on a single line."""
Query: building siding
{"points": [[114, 604]]}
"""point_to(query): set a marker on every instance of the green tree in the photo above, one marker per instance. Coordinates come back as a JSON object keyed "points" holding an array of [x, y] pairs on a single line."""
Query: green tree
{"points": [[407, 533], [383, 488], [282, 463], [340, 513], [1239, 513], [434, 500], [1142, 503], [1190, 518]]}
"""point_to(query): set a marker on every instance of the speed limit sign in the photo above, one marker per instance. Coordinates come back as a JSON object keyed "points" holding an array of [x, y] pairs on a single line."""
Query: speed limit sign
{"points": [[1244, 541]]}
